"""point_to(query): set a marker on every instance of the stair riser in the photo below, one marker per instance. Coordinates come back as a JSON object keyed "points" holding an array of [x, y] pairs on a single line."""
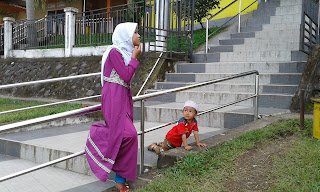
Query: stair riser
{"points": [[280, 19], [243, 35], [215, 98], [264, 12], [266, 47], [284, 26], [232, 42], [234, 67], [237, 88], [251, 28], [289, 10], [203, 58], [42, 155], [279, 90], [220, 49], [267, 56], [275, 33], [257, 21], [163, 115], [284, 3], [268, 4], [291, 79]]}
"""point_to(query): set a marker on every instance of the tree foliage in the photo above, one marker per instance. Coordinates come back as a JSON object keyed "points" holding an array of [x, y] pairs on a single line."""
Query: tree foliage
{"points": [[202, 9]]}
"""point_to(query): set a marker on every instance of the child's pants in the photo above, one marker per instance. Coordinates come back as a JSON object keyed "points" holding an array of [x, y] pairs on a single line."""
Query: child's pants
{"points": [[167, 145]]}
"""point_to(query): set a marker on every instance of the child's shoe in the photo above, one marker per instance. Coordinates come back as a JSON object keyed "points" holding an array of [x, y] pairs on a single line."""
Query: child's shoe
{"points": [[154, 147]]}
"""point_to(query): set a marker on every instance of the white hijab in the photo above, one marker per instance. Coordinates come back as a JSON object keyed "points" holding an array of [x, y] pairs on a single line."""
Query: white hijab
{"points": [[122, 41]]}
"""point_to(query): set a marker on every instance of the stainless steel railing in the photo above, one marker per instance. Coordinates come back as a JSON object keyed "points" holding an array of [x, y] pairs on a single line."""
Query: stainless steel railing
{"points": [[140, 98], [239, 20]]}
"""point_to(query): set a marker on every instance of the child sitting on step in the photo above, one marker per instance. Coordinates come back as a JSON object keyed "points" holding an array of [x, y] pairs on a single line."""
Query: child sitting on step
{"points": [[179, 133]]}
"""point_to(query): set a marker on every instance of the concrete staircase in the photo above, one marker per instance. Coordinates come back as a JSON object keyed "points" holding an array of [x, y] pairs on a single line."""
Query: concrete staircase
{"points": [[268, 42]]}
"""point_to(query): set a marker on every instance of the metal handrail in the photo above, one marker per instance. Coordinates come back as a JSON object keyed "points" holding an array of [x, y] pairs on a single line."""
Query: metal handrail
{"points": [[49, 104], [136, 98], [154, 66], [47, 80], [239, 14]]}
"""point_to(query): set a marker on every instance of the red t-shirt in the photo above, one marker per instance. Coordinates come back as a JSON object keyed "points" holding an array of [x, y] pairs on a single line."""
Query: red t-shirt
{"points": [[183, 127]]}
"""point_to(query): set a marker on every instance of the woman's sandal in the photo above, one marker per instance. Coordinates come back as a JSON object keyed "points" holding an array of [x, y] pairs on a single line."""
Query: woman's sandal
{"points": [[124, 188]]}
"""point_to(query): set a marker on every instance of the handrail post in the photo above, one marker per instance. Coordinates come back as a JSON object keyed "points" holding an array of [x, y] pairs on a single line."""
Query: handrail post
{"points": [[239, 15], [142, 137], [207, 34], [256, 112]]}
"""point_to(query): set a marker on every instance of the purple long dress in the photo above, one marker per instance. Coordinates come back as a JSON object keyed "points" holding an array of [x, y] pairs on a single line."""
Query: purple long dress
{"points": [[114, 146]]}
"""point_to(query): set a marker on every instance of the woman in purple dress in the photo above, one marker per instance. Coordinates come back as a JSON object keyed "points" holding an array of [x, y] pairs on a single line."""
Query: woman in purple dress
{"points": [[114, 146]]}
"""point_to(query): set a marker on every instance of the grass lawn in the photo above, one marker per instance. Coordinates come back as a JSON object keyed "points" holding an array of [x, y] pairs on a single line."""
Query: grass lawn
{"points": [[280, 157], [10, 104]]}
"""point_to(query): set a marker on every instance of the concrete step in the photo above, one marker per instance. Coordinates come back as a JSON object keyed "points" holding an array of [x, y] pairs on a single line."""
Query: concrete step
{"points": [[283, 26], [256, 21], [267, 46], [288, 18], [202, 57], [264, 12], [226, 96], [238, 67], [284, 3], [279, 89], [264, 78], [267, 88], [222, 118], [268, 4], [48, 179], [243, 35], [251, 28], [267, 56], [283, 34], [221, 48], [289, 9], [231, 41]]}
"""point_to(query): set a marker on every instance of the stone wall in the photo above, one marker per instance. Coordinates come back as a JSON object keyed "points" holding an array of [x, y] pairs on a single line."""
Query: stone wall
{"points": [[25, 70], [310, 81]]}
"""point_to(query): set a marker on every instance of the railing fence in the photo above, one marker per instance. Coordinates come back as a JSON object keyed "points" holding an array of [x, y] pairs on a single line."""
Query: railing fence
{"points": [[164, 26], [172, 32], [43, 33], [96, 27], [1, 39], [309, 34]]}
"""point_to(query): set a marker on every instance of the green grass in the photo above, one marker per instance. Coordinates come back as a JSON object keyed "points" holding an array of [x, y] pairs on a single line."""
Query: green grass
{"points": [[199, 35], [207, 171], [9, 104]]}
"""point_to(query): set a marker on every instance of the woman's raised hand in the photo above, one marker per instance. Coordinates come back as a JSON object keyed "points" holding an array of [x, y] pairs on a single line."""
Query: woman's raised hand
{"points": [[136, 51]]}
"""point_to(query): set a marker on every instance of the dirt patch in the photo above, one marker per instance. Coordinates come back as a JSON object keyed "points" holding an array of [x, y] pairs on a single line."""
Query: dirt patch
{"points": [[251, 168]]}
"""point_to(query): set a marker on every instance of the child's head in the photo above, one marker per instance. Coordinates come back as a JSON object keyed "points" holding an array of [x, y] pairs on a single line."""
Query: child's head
{"points": [[190, 110]]}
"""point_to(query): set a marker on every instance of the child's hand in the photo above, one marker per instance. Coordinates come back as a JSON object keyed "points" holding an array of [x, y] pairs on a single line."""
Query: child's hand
{"points": [[201, 145], [188, 147]]}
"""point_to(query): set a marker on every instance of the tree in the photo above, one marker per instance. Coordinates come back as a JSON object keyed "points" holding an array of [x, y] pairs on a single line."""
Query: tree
{"points": [[202, 9]]}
